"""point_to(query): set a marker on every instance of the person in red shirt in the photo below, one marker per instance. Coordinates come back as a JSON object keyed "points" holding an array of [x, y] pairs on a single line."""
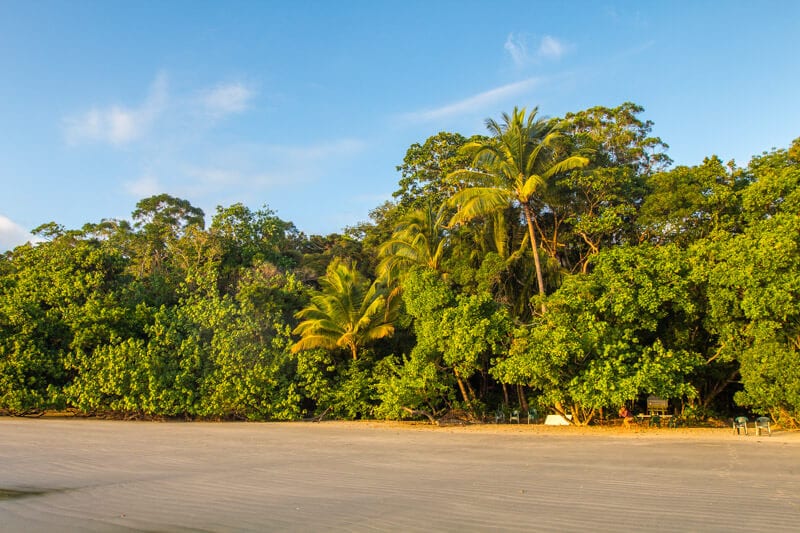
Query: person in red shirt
{"points": [[625, 415]]}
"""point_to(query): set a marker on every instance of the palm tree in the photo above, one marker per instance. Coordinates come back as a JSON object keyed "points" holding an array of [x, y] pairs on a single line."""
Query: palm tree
{"points": [[511, 168], [419, 239], [348, 312]]}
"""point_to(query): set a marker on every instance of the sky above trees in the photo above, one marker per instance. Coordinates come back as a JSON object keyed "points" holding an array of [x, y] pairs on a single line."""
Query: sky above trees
{"points": [[309, 106]]}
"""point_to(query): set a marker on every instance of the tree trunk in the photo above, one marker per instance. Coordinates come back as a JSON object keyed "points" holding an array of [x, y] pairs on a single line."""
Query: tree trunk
{"points": [[594, 250], [523, 401], [718, 387], [461, 387], [471, 391], [535, 249], [484, 376]]}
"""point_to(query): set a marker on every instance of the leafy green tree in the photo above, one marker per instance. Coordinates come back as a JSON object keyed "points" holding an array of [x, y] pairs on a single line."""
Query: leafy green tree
{"points": [[163, 216], [347, 313], [335, 387], [426, 170], [318, 252], [617, 137], [250, 372], [58, 299], [474, 330], [688, 203], [158, 263], [458, 332], [774, 184], [608, 336], [412, 386], [512, 168], [754, 287], [115, 233], [207, 356], [595, 207], [253, 236], [373, 233]]}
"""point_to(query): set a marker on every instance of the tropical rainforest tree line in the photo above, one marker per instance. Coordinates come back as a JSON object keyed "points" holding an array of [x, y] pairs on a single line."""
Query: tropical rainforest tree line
{"points": [[558, 263]]}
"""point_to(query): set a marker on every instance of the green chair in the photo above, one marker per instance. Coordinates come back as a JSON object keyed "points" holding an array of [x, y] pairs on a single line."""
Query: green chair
{"points": [[762, 423], [533, 414], [514, 416], [739, 424], [499, 416]]}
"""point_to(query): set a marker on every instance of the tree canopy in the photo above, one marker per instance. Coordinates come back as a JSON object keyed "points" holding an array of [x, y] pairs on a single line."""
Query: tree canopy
{"points": [[563, 263]]}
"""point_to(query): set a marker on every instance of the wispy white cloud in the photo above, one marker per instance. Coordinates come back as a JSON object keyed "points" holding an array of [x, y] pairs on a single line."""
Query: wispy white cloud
{"points": [[257, 167], [551, 48], [118, 125], [143, 187], [475, 103], [517, 48], [548, 48], [12, 234], [226, 99]]}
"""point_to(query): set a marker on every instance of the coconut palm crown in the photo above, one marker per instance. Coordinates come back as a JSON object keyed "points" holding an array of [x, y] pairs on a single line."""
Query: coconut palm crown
{"points": [[348, 312], [510, 168], [419, 239]]}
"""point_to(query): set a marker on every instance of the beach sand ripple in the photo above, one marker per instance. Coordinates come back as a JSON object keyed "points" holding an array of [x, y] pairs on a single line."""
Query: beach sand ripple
{"points": [[93, 475]]}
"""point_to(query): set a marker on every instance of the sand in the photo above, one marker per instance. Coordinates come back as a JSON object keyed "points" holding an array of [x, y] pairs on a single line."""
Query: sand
{"points": [[94, 475]]}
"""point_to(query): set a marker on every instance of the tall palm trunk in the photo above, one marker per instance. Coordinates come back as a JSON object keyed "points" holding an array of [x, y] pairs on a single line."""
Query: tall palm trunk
{"points": [[535, 246]]}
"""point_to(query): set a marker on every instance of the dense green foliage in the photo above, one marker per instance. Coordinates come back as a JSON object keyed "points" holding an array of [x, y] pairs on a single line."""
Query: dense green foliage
{"points": [[557, 262]]}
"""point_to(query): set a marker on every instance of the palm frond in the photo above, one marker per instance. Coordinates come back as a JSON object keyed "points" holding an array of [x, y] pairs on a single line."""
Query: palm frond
{"points": [[570, 163], [343, 313], [530, 187], [310, 342], [378, 332], [477, 202]]}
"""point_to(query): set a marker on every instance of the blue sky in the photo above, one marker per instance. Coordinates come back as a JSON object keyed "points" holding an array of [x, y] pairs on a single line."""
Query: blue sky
{"points": [[308, 107]]}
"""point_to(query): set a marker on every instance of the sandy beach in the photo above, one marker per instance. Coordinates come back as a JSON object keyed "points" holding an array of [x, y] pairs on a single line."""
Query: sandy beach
{"points": [[94, 475]]}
